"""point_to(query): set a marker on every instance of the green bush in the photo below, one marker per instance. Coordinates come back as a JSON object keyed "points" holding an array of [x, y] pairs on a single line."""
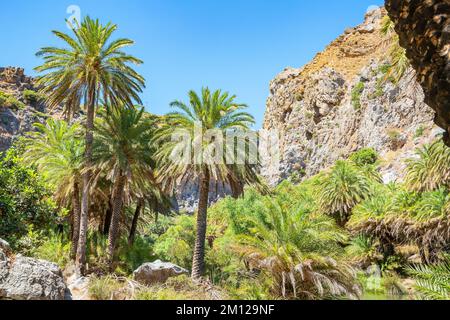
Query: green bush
{"points": [[8, 101], [108, 288], [365, 156], [25, 200], [31, 96], [177, 243], [177, 288], [356, 95], [54, 249], [419, 132]]}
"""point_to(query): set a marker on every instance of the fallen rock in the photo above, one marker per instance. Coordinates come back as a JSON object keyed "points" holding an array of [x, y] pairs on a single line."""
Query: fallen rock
{"points": [[157, 272], [23, 278]]}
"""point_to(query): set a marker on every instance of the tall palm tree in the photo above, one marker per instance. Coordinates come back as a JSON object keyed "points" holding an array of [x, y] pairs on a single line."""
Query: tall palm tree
{"points": [[91, 67], [342, 189], [216, 111], [123, 151], [57, 150]]}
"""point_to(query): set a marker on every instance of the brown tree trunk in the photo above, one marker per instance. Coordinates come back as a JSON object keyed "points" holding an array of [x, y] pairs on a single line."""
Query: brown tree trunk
{"points": [[198, 263], [114, 230], [237, 189], [108, 216], [76, 207], [80, 260], [139, 206]]}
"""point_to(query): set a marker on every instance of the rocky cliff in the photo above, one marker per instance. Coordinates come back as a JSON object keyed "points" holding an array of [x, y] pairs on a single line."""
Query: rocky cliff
{"points": [[342, 102], [17, 118], [424, 31]]}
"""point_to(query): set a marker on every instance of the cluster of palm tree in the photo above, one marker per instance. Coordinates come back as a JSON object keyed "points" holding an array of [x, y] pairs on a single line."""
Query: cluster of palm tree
{"points": [[125, 157], [415, 214], [301, 253]]}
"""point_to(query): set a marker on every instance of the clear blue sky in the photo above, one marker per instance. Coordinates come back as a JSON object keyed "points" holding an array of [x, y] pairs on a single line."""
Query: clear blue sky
{"points": [[235, 45]]}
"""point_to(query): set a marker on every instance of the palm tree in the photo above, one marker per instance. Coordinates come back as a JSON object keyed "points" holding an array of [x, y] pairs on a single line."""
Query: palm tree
{"points": [[399, 61], [57, 150], [343, 188], [123, 151], [90, 68], [432, 281], [214, 111], [299, 252]]}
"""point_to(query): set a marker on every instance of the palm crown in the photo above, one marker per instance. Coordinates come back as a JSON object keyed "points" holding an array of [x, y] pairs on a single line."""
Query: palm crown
{"points": [[90, 61]]}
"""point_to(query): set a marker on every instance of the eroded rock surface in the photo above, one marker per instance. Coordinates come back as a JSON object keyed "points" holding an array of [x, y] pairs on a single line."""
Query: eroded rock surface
{"points": [[341, 102], [424, 31], [23, 278]]}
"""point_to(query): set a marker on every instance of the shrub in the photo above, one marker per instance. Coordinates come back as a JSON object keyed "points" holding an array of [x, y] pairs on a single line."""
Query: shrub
{"points": [[177, 288], [25, 201], [177, 243], [356, 95], [108, 288], [53, 249], [365, 156], [419, 132], [32, 97], [8, 101]]}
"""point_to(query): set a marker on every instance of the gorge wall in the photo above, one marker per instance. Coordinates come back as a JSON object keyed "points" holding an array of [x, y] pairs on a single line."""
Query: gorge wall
{"points": [[424, 31], [340, 102]]}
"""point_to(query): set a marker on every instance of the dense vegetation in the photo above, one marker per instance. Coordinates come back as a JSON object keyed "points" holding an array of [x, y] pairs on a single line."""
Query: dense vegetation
{"points": [[95, 190]]}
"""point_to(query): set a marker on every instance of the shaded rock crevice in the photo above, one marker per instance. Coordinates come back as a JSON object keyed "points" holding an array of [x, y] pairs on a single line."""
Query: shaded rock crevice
{"points": [[424, 31]]}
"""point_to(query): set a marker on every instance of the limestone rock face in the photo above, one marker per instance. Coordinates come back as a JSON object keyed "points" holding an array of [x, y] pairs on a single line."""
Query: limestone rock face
{"points": [[341, 102], [24, 278], [424, 31], [157, 272]]}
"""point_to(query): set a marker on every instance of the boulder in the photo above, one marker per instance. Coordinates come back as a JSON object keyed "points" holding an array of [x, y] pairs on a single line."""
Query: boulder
{"points": [[23, 278], [157, 272]]}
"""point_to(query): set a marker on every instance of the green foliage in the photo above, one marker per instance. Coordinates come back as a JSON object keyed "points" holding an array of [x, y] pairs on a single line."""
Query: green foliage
{"points": [[25, 201], [362, 250], [57, 150], [131, 257], [178, 288], [32, 97], [9, 101], [345, 186], [107, 288], [299, 252], [365, 156], [356, 95], [68, 81], [54, 249], [177, 243], [419, 132], [399, 61], [430, 170], [432, 281]]}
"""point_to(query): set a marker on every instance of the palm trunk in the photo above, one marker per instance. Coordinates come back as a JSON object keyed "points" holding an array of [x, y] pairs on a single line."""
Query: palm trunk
{"points": [[198, 263], [84, 216], [134, 224], [108, 216], [76, 207], [114, 232]]}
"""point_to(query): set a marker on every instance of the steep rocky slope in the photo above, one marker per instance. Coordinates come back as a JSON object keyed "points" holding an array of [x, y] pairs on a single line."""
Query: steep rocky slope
{"points": [[16, 121], [340, 102]]}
